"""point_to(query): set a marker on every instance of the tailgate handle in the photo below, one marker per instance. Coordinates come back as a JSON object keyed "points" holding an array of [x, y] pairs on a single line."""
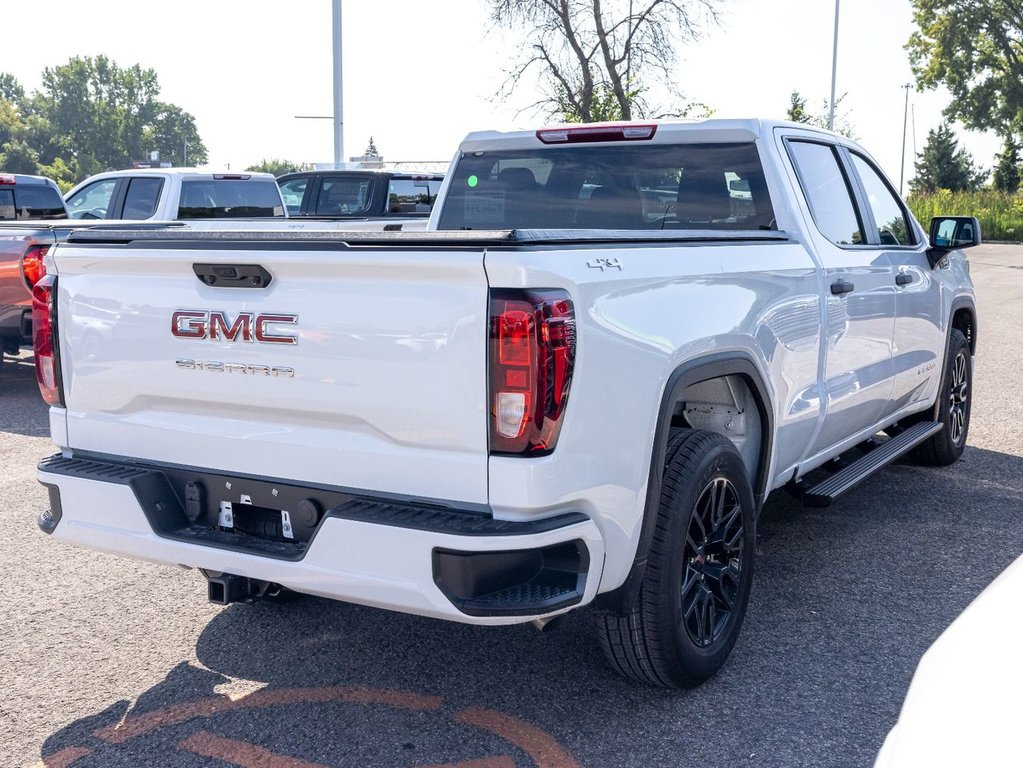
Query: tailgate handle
{"points": [[233, 275]]}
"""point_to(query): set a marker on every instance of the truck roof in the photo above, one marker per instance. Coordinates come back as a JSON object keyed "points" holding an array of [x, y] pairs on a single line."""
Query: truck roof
{"points": [[724, 129], [179, 172], [402, 174], [24, 178]]}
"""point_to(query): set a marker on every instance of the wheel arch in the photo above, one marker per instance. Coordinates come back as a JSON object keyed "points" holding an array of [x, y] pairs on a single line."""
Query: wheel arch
{"points": [[964, 318], [716, 366]]}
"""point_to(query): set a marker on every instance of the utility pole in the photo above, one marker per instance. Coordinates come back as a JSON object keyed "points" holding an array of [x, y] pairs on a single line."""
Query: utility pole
{"points": [[905, 116], [338, 89], [834, 73]]}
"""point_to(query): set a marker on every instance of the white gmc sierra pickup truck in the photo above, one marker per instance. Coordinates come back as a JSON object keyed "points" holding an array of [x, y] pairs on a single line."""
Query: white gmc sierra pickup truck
{"points": [[577, 389]]}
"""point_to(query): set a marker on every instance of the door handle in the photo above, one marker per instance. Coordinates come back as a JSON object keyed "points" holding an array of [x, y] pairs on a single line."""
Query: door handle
{"points": [[841, 287], [233, 275], [903, 278]]}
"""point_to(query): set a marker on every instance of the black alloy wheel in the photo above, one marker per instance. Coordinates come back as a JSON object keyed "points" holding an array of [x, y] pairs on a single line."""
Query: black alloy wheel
{"points": [[955, 398], [680, 628], [713, 563], [958, 397]]}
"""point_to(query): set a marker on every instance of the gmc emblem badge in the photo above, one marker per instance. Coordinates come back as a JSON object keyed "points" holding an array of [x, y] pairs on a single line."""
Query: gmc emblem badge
{"points": [[247, 326]]}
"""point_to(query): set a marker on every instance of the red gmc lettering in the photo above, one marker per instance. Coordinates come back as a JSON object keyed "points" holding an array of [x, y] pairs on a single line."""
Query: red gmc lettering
{"points": [[242, 325], [216, 326], [262, 334], [189, 324]]}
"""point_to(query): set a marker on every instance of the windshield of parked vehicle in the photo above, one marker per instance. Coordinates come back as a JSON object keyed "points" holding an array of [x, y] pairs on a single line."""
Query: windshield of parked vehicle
{"points": [[229, 199], [599, 186]]}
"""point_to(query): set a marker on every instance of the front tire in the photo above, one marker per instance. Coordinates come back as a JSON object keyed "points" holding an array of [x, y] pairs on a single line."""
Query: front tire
{"points": [[955, 396], [681, 627]]}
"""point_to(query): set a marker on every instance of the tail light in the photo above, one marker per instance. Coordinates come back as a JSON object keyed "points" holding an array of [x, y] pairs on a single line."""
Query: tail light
{"points": [[32, 268], [44, 339], [532, 354]]}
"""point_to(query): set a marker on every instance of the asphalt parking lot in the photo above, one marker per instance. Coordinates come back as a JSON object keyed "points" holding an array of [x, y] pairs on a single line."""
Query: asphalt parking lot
{"points": [[106, 662]]}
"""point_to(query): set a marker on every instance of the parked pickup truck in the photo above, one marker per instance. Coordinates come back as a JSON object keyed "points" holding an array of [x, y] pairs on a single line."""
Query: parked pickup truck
{"points": [[167, 194], [577, 389], [29, 197], [361, 194]]}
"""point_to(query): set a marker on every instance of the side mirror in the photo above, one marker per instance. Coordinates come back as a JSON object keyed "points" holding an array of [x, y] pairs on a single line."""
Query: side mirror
{"points": [[949, 233]]}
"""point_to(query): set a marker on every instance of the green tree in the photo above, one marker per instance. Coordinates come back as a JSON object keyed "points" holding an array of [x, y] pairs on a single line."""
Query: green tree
{"points": [[278, 167], [371, 149], [18, 157], [1006, 177], [797, 109], [975, 49], [10, 88], [594, 58], [798, 113], [92, 114], [943, 164], [173, 134]]}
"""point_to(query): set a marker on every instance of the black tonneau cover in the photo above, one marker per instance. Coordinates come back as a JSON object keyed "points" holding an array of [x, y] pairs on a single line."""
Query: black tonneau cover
{"points": [[177, 238]]}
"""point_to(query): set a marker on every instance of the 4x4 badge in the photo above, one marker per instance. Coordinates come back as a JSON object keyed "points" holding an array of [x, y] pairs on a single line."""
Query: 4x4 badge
{"points": [[602, 264]]}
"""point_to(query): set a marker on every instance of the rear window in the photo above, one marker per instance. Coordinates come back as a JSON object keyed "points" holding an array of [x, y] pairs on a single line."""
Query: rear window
{"points": [[408, 196], [683, 186], [31, 201], [229, 199]]}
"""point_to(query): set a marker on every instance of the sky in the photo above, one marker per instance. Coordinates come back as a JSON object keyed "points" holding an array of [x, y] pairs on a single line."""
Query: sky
{"points": [[418, 76]]}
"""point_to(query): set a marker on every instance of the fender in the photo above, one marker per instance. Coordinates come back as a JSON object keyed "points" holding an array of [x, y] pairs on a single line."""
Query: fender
{"points": [[963, 302], [960, 302], [618, 600]]}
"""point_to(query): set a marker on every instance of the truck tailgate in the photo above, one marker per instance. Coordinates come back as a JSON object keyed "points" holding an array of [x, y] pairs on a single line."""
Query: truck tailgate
{"points": [[382, 389]]}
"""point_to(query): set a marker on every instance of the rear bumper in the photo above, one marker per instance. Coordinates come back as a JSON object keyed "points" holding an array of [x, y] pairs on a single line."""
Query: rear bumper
{"points": [[416, 558]]}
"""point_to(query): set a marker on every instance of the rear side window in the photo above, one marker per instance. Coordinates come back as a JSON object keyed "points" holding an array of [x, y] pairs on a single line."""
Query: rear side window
{"points": [[141, 198], [344, 196], [411, 195], [36, 201], [229, 199], [827, 192], [683, 186]]}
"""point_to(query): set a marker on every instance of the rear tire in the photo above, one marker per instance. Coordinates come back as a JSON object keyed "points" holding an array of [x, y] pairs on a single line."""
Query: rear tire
{"points": [[955, 395], [681, 627]]}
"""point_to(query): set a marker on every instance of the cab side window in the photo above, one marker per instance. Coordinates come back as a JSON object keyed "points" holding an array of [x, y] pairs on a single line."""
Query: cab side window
{"points": [[293, 190], [141, 198], [93, 202], [827, 192], [889, 214]]}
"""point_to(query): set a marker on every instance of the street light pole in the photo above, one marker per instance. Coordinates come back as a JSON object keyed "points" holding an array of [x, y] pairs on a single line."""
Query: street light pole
{"points": [[905, 116], [338, 101], [834, 73]]}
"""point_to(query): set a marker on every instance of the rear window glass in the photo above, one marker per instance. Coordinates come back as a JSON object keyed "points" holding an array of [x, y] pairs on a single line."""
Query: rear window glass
{"points": [[31, 201], [229, 199], [411, 195], [682, 186]]}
